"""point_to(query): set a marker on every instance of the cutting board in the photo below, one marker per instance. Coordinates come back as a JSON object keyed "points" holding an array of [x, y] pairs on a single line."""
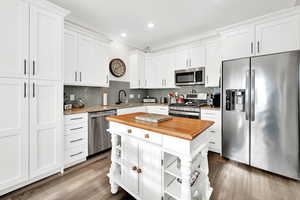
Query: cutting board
{"points": [[155, 118]]}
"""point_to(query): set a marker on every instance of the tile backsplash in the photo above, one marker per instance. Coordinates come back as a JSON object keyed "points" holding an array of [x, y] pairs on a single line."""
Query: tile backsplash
{"points": [[93, 95]]}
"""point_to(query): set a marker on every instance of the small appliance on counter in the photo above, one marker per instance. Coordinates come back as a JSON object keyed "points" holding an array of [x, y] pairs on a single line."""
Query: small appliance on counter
{"points": [[149, 100], [214, 100]]}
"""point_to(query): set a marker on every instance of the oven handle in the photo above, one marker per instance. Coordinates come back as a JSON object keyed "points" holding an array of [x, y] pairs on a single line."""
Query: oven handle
{"points": [[184, 113]]}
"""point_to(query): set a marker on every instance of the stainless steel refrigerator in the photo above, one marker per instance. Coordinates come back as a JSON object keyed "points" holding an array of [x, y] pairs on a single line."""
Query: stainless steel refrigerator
{"points": [[260, 112]]}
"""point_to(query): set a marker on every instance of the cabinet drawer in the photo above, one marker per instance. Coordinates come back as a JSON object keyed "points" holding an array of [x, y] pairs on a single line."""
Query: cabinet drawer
{"points": [[74, 154], [76, 118], [76, 128], [74, 140]]}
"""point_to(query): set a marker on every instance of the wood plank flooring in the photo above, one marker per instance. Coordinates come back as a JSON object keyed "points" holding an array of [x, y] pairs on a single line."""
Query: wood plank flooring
{"points": [[230, 181]]}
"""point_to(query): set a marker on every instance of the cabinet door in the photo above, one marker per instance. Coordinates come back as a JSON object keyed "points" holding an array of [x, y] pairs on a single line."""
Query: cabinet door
{"points": [[278, 36], [14, 20], [46, 134], [213, 66], [151, 181], [130, 179], [130, 151], [238, 43], [97, 73], [165, 68], [181, 59], [70, 58], [197, 57], [153, 78], [137, 71], [46, 32], [85, 59], [13, 132]]}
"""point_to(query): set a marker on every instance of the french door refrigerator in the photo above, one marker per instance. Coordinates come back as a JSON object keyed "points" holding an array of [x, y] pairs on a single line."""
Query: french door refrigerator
{"points": [[260, 112]]}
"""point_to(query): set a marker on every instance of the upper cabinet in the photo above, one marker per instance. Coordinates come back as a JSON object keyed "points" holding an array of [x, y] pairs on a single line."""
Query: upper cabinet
{"points": [[238, 43], [262, 37], [86, 61], [137, 63], [190, 57], [278, 35], [213, 64], [46, 31]]}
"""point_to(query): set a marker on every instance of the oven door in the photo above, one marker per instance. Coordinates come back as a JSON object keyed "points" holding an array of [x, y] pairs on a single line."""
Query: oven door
{"points": [[185, 77], [192, 115]]}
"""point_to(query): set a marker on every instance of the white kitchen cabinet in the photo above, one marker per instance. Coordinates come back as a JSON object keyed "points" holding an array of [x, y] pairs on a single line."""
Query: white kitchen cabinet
{"points": [[153, 78], [213, 64], [238, 43], [151, 176], [214, 115], [46, 133], [32, 107], [197, 56], [190, 57], [137, 70], [46, 30], [86, 61], [130, 110], [162, 110], [70, 58], [14, 34], [13, 132], [278, 35]]}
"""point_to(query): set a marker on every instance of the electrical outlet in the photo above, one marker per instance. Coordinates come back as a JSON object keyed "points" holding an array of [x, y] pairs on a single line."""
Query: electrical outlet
{"points": [[131, 96], [72, 97]]}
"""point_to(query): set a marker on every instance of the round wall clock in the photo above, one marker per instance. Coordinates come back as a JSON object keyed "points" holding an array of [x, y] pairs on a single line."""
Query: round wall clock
{"points": [[117, 67]]}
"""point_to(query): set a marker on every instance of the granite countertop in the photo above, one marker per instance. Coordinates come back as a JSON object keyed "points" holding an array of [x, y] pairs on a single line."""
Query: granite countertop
{"points": [[109, 107], [184, 128]]}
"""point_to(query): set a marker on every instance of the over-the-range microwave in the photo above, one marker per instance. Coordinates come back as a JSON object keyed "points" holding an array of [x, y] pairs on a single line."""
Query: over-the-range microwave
{"points": [[192, 76]]}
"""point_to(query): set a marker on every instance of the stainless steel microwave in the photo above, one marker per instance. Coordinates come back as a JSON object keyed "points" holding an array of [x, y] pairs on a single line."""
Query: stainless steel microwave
{"points": [[193, 76]]}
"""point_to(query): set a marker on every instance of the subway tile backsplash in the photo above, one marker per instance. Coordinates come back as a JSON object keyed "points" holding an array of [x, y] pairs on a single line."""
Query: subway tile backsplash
{"points": [[93, 96]]}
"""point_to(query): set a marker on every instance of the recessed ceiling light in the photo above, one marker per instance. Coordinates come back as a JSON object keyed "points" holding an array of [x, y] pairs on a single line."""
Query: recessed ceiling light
{"points": [[123, 35], [151, 25]]}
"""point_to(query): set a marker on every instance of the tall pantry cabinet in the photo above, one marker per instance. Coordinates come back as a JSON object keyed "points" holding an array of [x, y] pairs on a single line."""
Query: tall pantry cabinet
{"points": [[31, 87]]}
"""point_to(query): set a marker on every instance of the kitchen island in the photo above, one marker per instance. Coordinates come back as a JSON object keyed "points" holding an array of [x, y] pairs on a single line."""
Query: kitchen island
{"points": [[165, 160]]}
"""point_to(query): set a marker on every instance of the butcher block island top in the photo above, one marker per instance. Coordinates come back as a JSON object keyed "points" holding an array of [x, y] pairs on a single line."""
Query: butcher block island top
{"points": [[179, 127]]}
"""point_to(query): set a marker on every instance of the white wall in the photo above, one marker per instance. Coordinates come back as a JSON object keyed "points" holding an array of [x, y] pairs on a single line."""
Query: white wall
{"points": [[122, 51]]}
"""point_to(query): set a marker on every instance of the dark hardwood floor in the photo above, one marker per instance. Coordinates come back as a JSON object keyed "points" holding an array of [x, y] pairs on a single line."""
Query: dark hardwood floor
{"points": [[230, 180]]}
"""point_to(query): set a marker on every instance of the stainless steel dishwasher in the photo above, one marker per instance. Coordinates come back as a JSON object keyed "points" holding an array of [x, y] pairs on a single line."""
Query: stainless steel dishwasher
{"points": [[99, 138]]}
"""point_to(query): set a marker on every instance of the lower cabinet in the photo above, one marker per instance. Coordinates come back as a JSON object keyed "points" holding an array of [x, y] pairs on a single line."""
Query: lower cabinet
{"points": [[215, 143], [141, 168], [76, 139], [124, 111], [163, 110]]}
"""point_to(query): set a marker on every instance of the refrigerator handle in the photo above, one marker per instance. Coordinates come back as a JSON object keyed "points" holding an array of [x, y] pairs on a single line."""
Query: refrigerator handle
{"points": [[247, 94], [253, 95]]}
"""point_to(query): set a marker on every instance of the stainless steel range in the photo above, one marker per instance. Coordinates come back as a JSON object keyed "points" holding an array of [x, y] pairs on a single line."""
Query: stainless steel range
{"points": [[191, 107]]}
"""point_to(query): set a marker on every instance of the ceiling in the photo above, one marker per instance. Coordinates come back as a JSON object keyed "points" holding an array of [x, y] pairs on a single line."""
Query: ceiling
{"points": [[174, 20]]}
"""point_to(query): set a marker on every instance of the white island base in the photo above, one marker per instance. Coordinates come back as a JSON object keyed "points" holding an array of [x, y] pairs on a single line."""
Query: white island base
{"points": [[153, 166]]}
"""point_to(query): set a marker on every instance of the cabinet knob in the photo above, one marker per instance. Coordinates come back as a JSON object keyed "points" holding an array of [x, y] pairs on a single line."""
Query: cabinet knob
{"points": [[134, 168], [147, 136], [139, 171], [129, 131]]}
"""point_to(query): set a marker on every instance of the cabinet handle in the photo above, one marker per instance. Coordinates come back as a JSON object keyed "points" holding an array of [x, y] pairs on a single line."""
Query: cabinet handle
{"points": [[139, 171], [134, 168], [129, 131], [74, 129], [25, 66], [75, 76], [76, 140], [252, 47], [106, 78], [33, 89], [186, 62], [147, 136], [25, 90], [76, 118], [139, 83], [80, 77], [33, 67], [76, 154], [212, 143], [190, 62], [258, 47]]}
